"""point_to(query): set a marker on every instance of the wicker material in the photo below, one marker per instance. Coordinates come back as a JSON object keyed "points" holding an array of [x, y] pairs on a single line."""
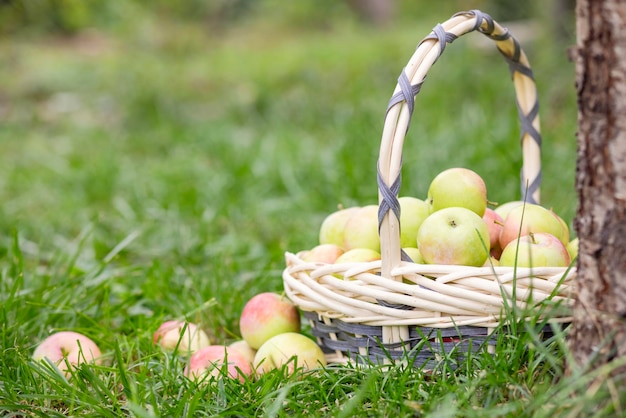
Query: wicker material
{"points": [[384, 309]]}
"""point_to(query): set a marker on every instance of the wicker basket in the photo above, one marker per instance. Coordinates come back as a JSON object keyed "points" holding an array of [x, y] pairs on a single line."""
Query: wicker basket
{"points": [[392, 308]]}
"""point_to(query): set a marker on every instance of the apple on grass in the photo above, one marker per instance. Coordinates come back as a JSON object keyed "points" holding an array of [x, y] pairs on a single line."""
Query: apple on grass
{"points": [[244, 348], [266, 315], [458, 187], [295, 350], [454, 235], [331, 230], [413, 211], [361, 230], [180, 335], [323, 253], [68, 347], [535, 250], [530, 218], [212, 359]]}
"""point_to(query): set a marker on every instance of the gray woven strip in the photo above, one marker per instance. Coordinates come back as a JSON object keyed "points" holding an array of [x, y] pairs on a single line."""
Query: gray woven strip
{"points": [[528, 190], [389, 197], [527, 122], [400, 96]]}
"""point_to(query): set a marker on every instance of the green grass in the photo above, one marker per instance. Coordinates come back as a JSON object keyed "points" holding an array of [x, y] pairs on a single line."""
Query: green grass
{"points": [[163, 174]]}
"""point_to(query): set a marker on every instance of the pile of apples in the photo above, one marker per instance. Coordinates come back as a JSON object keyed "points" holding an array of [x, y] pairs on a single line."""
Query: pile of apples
{"points": [[271, 338], [454, 225]]}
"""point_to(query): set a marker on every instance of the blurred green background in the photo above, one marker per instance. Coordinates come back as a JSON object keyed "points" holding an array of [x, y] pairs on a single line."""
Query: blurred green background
{"points": [[192, 143]]}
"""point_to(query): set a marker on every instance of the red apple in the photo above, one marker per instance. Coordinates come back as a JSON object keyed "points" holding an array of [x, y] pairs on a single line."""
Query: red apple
{"points": [[527, 218], [66, 347], [323, 253], [494, 224], [211, 359], [266, 315]]}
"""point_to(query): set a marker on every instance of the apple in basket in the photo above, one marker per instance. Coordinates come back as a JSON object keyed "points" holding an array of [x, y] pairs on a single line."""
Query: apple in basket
{"points": [[494, 224], [180, 335], [212, 359], [530, 217], [266, 315], [572, 248], [68, 347], [504, 208], [455, 236], [413, 211], [331, 230], [535, 250], [361, 229], [323, 253], [295, 350], [458, 187]]}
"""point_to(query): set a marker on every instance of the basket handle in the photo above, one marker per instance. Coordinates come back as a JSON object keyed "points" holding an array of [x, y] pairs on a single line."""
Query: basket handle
{"points": [[400, 109]]}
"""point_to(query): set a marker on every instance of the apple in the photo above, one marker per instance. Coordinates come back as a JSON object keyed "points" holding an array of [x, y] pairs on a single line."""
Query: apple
{"points": [[211, 359], [504, 209], [413, 211], [295, 350], [538, 249], [358, 255], [361, 229], [527, 218], [184, 336], [455, 236], [68, 347], [323, 253], [331, 230], [244, 348], [414, 254], [494, 224], [266, 315], [565, 235], [458, 187], [572, 248]]}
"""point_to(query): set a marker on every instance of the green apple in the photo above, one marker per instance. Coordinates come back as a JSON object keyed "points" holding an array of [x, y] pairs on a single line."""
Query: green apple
{"points": [[266, 315], [457, 187], [535, 250], [530, 218], [504, 209], [331, 230], [565, 235], [414, 254], [572, 248], [413, 211], [323, 253], [494, 224], [455, 236], [361, 230], [295, 350]]}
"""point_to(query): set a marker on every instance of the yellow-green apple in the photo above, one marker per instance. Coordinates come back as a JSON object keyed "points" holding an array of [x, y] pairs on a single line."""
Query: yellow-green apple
{"points": [[244, 348], [295, 350], [538, 249], [565, 236], [331, 230], [494, 224], [323, 253], [454, 235], [266, 315], [414, 253], [527, 218], [504, 209], [572, 248], [458, 187], [212, 359], [361, 229], [358, 255], [68, 347], [180, 335], [413, 211]]}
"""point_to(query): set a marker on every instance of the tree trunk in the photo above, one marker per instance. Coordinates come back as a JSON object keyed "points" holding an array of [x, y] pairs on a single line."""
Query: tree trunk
{"points": [[598, 333]]}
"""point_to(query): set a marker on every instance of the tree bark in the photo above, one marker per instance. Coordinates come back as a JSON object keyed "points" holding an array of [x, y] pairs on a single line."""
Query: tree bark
{"points": [[598, 332]]}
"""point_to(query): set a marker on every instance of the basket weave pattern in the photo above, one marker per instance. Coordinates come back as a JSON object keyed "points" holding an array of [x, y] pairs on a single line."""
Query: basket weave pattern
{"points": [[382, 309]]}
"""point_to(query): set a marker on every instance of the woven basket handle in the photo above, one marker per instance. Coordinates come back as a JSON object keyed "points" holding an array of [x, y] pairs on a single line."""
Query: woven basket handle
{"points": [[401, 106]]}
